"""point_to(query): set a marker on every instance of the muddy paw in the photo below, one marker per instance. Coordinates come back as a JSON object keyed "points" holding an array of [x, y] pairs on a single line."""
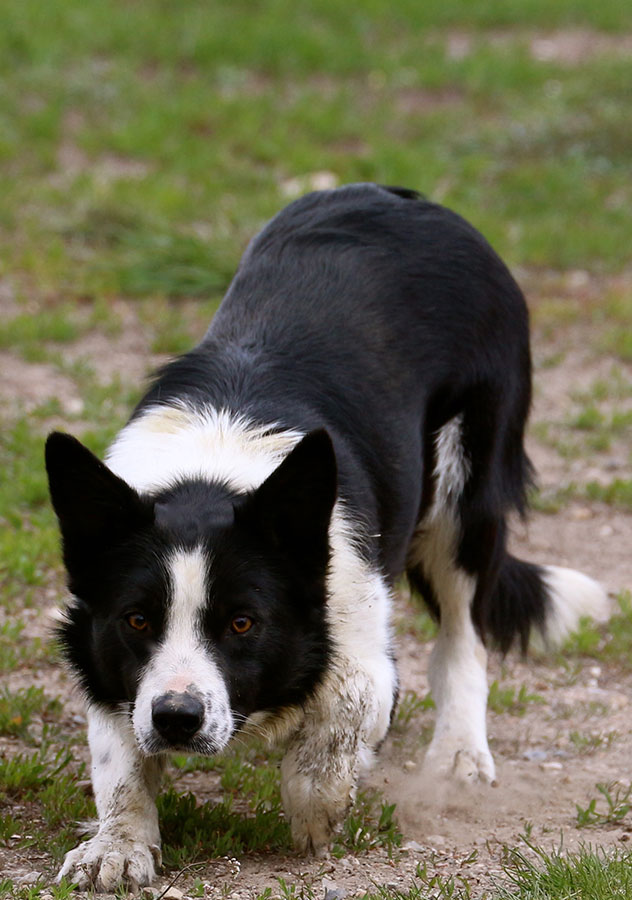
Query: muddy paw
{"points": [[105, 862], [461, 763], [316, 809]]}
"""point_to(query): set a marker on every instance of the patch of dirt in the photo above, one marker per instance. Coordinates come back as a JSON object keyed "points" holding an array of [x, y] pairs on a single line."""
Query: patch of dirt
{"points": [[25, 385], [415, 100], [590, 537], [541, 772], [127, 356], [569, 47], [574, 47], [72, 162]]}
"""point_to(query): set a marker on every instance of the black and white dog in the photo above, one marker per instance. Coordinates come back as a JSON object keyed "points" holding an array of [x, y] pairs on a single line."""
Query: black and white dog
{"points": [[356, 411]]}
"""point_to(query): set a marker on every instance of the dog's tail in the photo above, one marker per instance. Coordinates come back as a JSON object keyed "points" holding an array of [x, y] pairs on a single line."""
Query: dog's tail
{"points": [[546, 602]]}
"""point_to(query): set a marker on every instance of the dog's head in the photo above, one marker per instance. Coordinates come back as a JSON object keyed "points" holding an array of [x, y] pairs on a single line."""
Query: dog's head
{"points": [[196, 606]]}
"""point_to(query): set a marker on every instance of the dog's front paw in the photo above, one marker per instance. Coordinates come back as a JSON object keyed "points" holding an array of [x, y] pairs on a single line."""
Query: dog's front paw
{"points": [[312, 833], [316, 810], [106, 861]]}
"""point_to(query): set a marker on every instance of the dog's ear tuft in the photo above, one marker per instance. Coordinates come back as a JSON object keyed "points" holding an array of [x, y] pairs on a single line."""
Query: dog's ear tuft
{"points": [[93, 504], [293, 506]]}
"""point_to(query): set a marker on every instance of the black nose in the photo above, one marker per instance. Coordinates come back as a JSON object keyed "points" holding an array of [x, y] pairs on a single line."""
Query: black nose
{"points": [[177, 717]]}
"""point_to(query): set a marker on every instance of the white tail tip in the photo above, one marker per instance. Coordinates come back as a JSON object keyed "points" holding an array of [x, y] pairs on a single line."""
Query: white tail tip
{"points": [[573, 596]]}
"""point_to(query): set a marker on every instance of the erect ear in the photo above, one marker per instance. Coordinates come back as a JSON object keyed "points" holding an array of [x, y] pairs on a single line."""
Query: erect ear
{"points": [[294, 504], [94, 506]]}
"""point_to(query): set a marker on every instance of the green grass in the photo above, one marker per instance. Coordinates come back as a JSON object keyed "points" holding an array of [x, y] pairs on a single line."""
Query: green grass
{"points": [[529, 873], [615, 804], [587, 743], [509, 699], [10, 652], [370, 824], [141, 147], [417, 620], [611, 643], [599, 875], [596, 429], [249, 817], [193, 832], [29, 543], [62, 891], [409, 707], [17, 709], [617, 492], [10, 890], [248, 772], [27, 331], [44, 787]]}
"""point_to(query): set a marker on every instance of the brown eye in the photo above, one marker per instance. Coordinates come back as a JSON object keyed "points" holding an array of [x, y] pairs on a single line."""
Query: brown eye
{"points": [[241, 624], [137, 621]]}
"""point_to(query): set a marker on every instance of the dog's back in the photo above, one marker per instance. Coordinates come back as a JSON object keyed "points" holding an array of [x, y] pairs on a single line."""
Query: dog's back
{"points": [[381, 317]]}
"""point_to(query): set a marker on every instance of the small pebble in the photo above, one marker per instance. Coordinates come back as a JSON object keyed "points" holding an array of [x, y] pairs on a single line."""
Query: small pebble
{"points": [[333, 891], [581, 513], [173, 894], [436, 840], [74, 406], [535, 755], [412, 845]]}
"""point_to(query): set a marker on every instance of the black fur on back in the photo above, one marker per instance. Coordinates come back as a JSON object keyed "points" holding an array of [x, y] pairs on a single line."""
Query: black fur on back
{"points": [[380, 316]]}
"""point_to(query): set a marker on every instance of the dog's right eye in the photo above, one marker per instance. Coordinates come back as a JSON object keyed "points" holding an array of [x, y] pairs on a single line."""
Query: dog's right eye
{"points": [[241, 624], [137, 621]]}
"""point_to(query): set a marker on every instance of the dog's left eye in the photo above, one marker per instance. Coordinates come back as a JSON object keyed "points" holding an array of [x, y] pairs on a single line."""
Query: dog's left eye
{"points": [[137, 621], [241, 624]]}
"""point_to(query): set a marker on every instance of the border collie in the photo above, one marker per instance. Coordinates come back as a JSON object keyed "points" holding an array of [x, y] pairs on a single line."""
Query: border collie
{"points": [[355, 411]]}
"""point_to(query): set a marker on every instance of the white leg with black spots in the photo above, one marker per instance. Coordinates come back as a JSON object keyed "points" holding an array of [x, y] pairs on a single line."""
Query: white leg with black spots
{"points": [[126, 847]]}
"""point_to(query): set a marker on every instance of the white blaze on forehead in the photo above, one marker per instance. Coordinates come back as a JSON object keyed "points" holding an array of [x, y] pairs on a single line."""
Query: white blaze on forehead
{"points": [[182, 662], [183, 639], [187, 569]]}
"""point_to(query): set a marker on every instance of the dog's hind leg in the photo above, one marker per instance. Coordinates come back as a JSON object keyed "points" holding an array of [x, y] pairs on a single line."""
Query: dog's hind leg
{"points": [[457, 673], [126, 847]]}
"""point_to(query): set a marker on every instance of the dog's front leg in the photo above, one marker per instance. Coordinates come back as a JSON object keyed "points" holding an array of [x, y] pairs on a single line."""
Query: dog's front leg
{"points": [[126, 847], [347, 718]]}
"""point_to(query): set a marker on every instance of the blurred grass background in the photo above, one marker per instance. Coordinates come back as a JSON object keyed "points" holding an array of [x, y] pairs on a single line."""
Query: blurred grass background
{"points": [[143, 141]]}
